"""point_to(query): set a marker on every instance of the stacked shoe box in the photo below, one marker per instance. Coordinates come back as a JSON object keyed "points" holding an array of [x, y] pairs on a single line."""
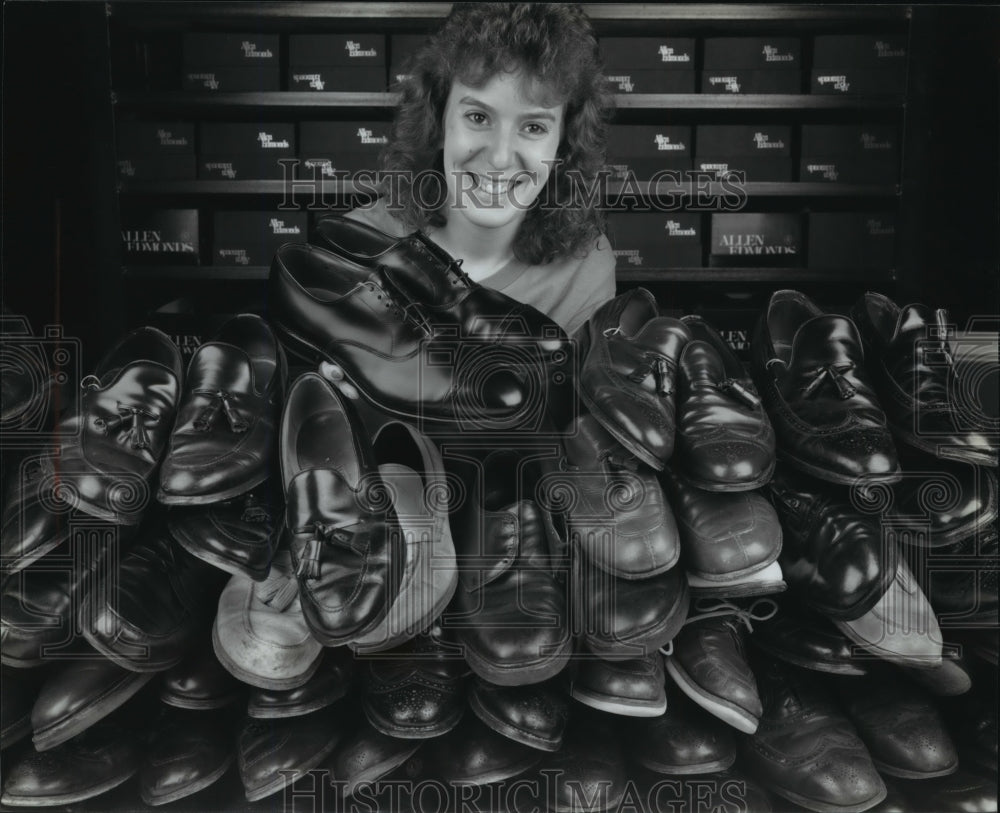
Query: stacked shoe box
{"points": [[336, 63], [231, 63], [244, 238], [237, 151], [772, 239], [859, 64], [160, 236], [155, 150], [643, 240], [849, 153], [851, 239], [647, 151], [342, 148], [752, 65], [763, 152], [649, 64], [401, 49]]}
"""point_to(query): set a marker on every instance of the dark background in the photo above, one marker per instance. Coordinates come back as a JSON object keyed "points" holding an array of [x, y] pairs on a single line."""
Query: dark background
{"points": [[61, 262]]}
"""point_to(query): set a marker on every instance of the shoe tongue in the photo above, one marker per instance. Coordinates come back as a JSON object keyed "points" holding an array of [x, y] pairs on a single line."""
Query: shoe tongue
{"points": [[826, 339], [912, 323]]}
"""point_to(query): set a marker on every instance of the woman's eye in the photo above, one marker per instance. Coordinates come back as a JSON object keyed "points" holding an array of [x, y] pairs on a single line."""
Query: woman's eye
{"points": [[476, 117], [536, 129]]}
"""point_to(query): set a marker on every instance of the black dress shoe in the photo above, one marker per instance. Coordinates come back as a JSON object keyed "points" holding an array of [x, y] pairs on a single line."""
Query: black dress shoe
{"points": [[331, 681], [227, 417], [963, 790], [162, 600], [272, 754], [416, 691], [960, 579], [533, 715], [475, 754], [79, 694], [365, 755], [509, 611], [725, 441], [18, 691], [805, 750], [617, 513], [346, 546], [326, 307], [200, 682], [187, 752], [809, 367], [900, 725], [87, 766], [237, 535], [917, 380], [632, 688], [116, 438], [628, 372]]}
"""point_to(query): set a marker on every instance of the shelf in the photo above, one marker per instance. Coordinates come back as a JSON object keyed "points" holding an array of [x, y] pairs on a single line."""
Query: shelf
{"points": [[281, 100], [187, 273], [772, 275]]}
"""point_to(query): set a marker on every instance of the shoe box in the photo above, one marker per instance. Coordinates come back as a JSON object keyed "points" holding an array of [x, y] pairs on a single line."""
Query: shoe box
{"points": [[763, 152], [851, 240], [644, 240], [858, 63], [646, 149], [848, 153], [244, 150], [230, 63], [244, 238], [401, 49], [338, 147], [160, 236], [752, 65], [155, 150], [337, 63], [772, 239], [649, 64]]}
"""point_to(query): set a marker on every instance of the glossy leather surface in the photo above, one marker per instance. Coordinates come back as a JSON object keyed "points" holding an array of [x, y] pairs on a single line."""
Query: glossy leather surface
{"points": [[474, 754], [366, 755], [724, 536], [805, 750], [918, 381], [963, 790], [327, 307], [832, 554], [347, 549], [805, 638], [534, 715], [617, 513], [331, 681], [725, 441], [18, 690], [227, 417], [632, 688], [163, 599], [510, 607], [35, 519], [810, 369], [200, 681], [628, 373], [114, 441], [590, 767], [187, 752]]}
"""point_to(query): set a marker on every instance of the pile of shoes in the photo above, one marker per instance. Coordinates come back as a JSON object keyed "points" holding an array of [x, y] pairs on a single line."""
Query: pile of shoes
{"points": [[523, 571]]}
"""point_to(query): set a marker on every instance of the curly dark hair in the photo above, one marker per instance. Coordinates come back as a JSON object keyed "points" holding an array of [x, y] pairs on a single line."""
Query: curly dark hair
{"points": [[555, 45]]}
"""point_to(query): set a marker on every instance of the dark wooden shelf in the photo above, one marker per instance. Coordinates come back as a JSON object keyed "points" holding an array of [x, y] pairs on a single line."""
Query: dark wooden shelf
{"points": [[681, 102], [773, 275], [187, 273]]}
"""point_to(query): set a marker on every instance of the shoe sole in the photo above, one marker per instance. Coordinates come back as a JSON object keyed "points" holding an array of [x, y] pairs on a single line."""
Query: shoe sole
{"points": [[814, 665], [904, 773], [16, 732], [730, 713], [198, 705], [747, 485], [836, 477], [651, 640], [142, 667], [282, 780], [190, 789], [970, 457], [273, 713], [519, 675], [499, 774], [51, 736], [511, 732], [679, 770], [256, 680], [826, 807], [65, 798], [619, 705]]}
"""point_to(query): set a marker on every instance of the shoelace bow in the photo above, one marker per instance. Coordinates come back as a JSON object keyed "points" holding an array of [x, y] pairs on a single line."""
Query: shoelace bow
{"points": [[763, 609], [131, 418], [736, 390], [308, 567], [221, 400]]}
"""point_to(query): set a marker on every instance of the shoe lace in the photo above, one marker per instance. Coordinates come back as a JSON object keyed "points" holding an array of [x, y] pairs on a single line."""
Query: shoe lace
{"points": [[131, 418], [409, 313], [762, 609], [323, 534], [221, 400]]}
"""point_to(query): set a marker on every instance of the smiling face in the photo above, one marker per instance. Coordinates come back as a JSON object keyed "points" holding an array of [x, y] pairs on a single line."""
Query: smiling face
{"points": [[499, 142]]}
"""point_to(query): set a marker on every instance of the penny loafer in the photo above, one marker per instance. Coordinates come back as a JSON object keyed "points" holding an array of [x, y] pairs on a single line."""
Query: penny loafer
{"points": [[326, 307], [509, 611], [331, 681], [628, 373], [227, 417], [116, 438], [533, 715], [79, 694], [238, 535], [916, 378], [346, 546], [809, 368], [615, 509], [805, 750], [260, 635], [725, 441], [633, 688], [200, 682], [161, 601]]}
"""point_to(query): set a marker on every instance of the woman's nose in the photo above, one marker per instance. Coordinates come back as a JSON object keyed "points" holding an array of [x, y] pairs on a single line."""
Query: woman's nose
{"points": [[501, 148]]}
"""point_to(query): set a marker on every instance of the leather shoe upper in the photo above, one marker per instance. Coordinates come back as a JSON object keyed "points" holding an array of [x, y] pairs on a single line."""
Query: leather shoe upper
{"points": [[918, 384], [589, 772], [200, 682], [809, 367], [628, 373], [227, 417], [346, 545], [617, 512], [633, 687], [725, 441], [331, 681], [534, 715], [186, 753], [805, 638]]}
